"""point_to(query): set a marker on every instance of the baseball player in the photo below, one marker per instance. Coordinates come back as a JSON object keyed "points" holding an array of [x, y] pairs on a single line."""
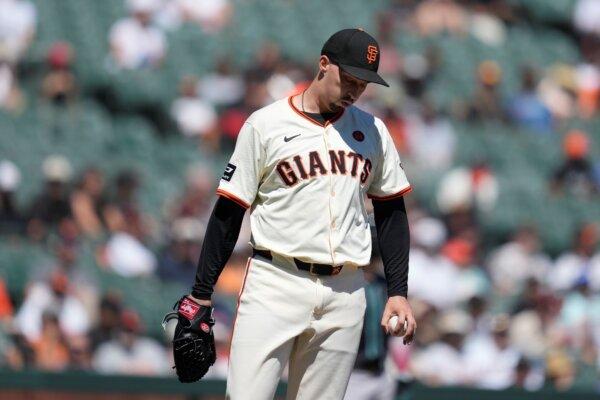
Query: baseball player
{"points": [[303, 166]]}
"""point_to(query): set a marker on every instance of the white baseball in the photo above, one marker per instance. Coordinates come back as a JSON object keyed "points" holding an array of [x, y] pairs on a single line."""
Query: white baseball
{"points": [[393, 323]]}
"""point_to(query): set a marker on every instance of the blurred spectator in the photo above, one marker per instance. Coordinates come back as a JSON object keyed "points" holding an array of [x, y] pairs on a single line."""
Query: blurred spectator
{"points": [[17, 28], [53, 295], [485, 26], [59, 85], [560, 370], [126, 253], [211, 15], [222, 87], [11, 97], [586, 16], [491, 358], [535, 327], [416, 73], [430, 365], [396, 125], [431, 139], [134, 42], [477, 307], [432, 17], [196, 200], [558, 89], [193, 115], [66, 260], [268, 58], [471, 280], [11, 220], [52, 205], [511, 264], [587, 79], [6, 307], [579, 314], [88, 202], [390, 61], [50, 347], [123, 207], [579, 264], [526, 377], [80, 357], [526, 108], [429, 271], [576, 174], [283, 81], [487, 103], [131, 353], [108, 323], [178, 263], [463, 190], [10, 356]]}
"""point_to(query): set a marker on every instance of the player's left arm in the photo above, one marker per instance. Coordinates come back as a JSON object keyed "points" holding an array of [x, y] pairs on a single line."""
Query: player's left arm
{"points": [[387, 189], [391, 222]]}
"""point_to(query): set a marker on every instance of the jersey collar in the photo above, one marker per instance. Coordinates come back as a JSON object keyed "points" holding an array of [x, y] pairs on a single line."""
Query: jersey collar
{"points": [[314, 121]]}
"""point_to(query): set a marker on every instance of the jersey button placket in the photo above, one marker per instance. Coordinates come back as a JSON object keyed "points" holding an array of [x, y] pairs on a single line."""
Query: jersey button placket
{"points": [[331, 190]]}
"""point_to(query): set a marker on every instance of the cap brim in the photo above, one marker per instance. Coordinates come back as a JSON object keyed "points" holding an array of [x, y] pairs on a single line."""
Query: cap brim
{"points": [[364, 74]]}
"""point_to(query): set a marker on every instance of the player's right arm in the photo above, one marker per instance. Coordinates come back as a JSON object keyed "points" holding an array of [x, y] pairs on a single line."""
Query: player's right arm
{"points": [[237, 190]]}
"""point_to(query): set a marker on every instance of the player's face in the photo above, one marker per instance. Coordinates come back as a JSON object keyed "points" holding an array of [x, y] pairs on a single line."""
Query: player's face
{"points": [[343, 88]]}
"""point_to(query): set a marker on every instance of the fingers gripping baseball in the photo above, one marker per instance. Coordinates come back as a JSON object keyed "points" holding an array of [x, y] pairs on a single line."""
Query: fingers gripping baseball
{"points": [[398, 319]]}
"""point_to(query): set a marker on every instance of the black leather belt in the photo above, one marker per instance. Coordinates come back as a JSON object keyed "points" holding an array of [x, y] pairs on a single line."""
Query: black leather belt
{"points": [[312, 268]]}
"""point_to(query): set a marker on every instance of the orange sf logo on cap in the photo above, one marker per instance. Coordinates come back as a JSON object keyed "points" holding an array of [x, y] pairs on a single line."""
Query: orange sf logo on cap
{"points": [[372, 54]]}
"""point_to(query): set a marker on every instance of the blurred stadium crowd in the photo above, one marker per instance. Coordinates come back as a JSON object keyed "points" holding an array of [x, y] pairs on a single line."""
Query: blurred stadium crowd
{"points": [[116, 117]]}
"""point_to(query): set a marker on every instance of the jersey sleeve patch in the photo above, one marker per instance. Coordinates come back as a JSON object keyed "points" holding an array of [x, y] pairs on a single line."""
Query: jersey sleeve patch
{"points": [[228, 173]]}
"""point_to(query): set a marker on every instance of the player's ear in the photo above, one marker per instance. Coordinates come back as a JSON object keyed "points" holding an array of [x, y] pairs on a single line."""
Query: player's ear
{"points": [[324, 64]]}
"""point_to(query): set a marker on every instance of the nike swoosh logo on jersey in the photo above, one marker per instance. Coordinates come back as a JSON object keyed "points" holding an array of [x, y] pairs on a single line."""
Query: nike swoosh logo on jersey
{"points": [[287, 139]]}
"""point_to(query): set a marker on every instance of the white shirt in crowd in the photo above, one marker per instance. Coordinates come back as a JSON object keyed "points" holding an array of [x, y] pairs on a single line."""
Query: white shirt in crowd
{"points": [[569, 268], [221, 89], [194, 116], [586, 16], [490, 367], [429, 277], [211, 15], [136, 46], [17, 26], [145, 357], [72, 316], [127, 256], [511, 265], [440, 364]]}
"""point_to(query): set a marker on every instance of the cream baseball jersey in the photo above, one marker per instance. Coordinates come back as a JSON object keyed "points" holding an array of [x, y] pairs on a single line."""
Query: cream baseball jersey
{"points": [[306, 182]]}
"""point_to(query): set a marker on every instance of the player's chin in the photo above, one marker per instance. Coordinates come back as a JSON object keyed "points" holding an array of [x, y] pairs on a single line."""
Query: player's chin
{"points": [[344, 103]]}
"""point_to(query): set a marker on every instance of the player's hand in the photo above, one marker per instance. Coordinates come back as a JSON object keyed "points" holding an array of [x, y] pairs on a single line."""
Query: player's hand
{"points": [[193, 342], [398, 305]]}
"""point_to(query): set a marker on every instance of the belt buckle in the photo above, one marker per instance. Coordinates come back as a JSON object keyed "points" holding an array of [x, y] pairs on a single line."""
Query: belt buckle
{"points": [[310, 270]]}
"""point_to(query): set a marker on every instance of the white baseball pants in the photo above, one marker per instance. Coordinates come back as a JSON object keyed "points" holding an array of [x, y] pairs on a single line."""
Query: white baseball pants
{"points": [[286, 315]]}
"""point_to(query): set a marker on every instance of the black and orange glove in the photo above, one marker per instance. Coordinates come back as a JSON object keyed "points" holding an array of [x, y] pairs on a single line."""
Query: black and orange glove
{"points": [[193, 342]]}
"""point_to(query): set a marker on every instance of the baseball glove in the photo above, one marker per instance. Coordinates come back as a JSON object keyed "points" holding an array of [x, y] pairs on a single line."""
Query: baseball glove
{"points": [[193, 342]]}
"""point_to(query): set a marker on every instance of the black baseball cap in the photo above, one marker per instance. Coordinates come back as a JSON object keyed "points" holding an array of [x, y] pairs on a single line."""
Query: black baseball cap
{"points": [[355, 52]]}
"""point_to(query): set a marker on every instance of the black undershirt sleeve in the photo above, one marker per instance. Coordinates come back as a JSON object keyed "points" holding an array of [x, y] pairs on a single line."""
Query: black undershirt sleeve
{"points": [[221, 235], [393, 235]]}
